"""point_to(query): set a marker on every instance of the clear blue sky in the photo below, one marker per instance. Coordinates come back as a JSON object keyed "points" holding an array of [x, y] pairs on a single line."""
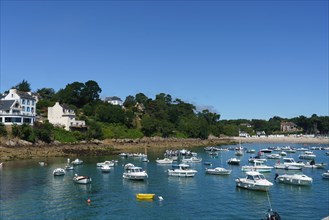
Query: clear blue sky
{"points": [[240, 59]]}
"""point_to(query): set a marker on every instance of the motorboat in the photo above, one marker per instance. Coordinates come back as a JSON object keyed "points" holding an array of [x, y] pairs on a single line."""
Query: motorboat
{"points": [[207, 163], [314, 165], [308, 155], [69, 167], [218, 171], [273, 156], [145, 196], [260, 167], [41, 163], [251, 151], [183, 170], [325, 175], [295, 179], [144, 159], [164, 160], [81, 179], [238, 153], [233, 161], [107, 162], [123, 155], [1, 164], [77, 162], [105, 168], [128, 166], [254, 181], [291, 162], [135, 173], [266, 150], [287, 167], [282, 153], [191, 160], [59, 172]]}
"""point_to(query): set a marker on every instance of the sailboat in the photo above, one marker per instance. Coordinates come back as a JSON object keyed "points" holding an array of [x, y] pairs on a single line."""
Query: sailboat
{"points": [[239, 150]]}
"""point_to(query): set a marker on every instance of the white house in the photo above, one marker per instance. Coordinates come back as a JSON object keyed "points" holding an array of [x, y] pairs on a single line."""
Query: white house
{"points": [[62, 115], [17, 107], [114, 100]]}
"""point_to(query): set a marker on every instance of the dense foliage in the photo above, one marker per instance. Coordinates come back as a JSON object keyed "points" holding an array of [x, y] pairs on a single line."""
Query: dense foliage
{"points": [[142, 116]]}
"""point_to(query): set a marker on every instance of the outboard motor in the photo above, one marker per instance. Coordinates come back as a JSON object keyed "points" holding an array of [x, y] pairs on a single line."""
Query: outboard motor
{"points": [[276, 176]]}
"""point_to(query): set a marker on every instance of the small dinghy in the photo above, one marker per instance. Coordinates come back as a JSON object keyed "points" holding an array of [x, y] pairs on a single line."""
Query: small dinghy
{"points": [[145, 196]]}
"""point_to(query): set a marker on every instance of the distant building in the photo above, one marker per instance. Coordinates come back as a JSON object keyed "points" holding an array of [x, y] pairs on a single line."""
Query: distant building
{"points": [[260, 133], [18, 107], [243, 134], [62, 115], [289, 127], [114, 100]]}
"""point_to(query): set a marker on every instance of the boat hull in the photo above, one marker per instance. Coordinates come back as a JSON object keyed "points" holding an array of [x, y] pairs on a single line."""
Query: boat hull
{"points": [[145, 196], [300, 180]]}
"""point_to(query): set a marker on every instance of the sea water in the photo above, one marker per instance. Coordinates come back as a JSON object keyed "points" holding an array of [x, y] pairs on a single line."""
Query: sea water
{"points": [[30, 191]]}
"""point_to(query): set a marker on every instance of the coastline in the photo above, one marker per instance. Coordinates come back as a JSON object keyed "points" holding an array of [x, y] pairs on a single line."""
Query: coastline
{"points": [[116, 146]]}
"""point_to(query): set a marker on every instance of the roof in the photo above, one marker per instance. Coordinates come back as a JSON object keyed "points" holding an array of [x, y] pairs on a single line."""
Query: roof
{"points": [[113, 98], [6, 104], [25, 95]]}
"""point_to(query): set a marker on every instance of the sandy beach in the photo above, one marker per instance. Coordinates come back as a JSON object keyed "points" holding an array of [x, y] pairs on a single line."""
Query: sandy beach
{"points": [[115, 146]]}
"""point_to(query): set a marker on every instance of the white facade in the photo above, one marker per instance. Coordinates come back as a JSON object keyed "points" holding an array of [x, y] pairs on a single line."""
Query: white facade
{"points": [[114, 100], [62, 115], [18, 108]]}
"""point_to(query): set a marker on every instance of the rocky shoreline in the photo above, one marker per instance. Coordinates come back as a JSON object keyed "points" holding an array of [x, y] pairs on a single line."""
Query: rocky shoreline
{"points": [[17, 149]]}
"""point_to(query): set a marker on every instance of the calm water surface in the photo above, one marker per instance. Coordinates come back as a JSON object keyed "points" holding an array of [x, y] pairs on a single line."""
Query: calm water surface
{"points": [[29, 191]]}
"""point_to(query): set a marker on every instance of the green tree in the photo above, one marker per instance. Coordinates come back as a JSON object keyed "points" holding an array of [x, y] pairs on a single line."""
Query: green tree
{"points": [[23, 86]]}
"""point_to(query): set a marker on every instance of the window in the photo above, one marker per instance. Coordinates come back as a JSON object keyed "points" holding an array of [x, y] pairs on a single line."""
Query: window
{"points": [[23, 108], [28, 102], [28, 109], [23, 101], [27, 120]]}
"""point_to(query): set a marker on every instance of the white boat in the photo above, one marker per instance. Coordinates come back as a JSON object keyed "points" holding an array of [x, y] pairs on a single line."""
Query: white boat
{"points": [[295, 179], [1, 164], [81, 179], [105, 168], [128, 166], [273, 156], [254, 181], [41, 163], [59, 172], [308, 155], [183, 170], [315, 165], [135, 173], [325, 175], [251, 151], [164, 160], [282, 153], [107, 162], [266, 150], [256, 159], [257, 167], [291, 162], [233, 161], [287, 167], [218, 171], [69, 167], [77, 162], [191, 160], [239, 153]]}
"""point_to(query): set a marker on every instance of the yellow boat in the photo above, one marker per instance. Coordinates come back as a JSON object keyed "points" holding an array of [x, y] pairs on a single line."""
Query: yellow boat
{"points": [[148, 196]]}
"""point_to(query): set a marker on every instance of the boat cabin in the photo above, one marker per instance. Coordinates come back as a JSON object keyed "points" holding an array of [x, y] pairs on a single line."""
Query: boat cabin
{"points": [[254, 176]]}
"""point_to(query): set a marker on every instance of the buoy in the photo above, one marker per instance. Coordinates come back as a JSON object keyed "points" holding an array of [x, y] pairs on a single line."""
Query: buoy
{"points": [[160, 198], [88, 200]]}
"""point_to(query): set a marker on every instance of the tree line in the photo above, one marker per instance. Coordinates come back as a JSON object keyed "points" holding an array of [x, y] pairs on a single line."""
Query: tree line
{"points": [[143, 116]]}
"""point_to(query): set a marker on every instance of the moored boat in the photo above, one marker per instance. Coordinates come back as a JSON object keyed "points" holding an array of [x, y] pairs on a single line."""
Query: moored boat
{"points": [[145, 196], [233, 161], [325, 175], [183, 170], [218, 171], [191, 160], [81, 179], [164, 160], [135, 173], [105, 168], [59, 172], [295, 179], [262, 168], [254, 181], [77, 162]]}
